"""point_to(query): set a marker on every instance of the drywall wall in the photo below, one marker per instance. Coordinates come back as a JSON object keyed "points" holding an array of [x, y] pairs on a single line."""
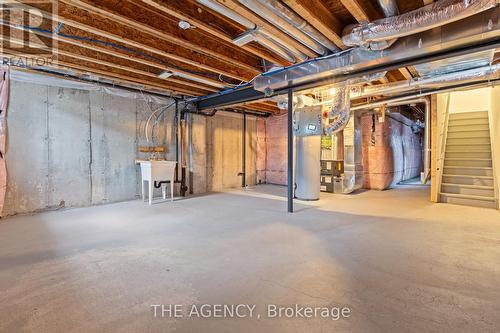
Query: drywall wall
{"points": [[495, 135], [391, 154]]}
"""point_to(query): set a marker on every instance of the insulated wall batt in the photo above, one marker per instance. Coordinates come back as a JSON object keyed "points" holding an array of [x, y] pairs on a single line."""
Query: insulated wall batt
{"points": [[276, 139], [391, 154]]}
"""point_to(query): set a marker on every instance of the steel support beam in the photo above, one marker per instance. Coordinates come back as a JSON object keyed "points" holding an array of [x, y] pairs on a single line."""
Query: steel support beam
{"points": [[248, 94]]}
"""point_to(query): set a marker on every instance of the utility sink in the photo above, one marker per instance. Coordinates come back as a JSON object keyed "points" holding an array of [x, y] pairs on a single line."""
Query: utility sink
{"points": [[152, 171]]}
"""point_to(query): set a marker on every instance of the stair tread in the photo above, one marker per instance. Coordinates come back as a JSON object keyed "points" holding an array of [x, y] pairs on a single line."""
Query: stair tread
{"points": [[468, 196], [469, 151], [467, 167], [466, 159], [470, 186], [469, 176]]}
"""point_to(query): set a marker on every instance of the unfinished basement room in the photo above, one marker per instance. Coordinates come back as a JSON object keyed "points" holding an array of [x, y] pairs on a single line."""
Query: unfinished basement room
{"points": [[271, 166]]}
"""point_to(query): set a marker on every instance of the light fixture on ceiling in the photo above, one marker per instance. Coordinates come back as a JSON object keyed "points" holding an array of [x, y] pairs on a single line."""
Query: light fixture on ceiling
{"points": [[165, 75], [184, 25]]}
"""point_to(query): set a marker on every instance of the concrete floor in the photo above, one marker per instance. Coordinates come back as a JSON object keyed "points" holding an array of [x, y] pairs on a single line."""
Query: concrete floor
{"points": [[400, 263]]}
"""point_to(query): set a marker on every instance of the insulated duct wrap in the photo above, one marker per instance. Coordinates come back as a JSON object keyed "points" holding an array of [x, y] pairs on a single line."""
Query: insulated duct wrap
{"points": [[476, 74], [339, 115], [428, 17], [476, 29]]}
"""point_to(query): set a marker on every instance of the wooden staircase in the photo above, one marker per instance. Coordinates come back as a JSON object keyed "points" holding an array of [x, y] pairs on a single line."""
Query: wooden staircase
{"points": [[467, 177]]}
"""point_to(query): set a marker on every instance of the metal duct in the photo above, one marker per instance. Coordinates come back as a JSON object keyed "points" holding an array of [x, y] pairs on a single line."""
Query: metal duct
{"points": [[353, 158], [389, 7], [475, 74], [340, 112], [223, 10], [256, 34], [278, 8], [470, 31], [425, 18], [455, 64], [270, 15]]}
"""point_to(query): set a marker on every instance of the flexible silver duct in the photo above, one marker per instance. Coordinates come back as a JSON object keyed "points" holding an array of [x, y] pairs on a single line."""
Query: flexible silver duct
{"points": [[340, 112], [390, 9], [256, 34], [278, 8], [472, 30], [297, 33], [434, 15]]}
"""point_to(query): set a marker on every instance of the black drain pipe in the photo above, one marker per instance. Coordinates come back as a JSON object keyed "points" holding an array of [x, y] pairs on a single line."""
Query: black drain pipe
{"points": [[243, 174]]}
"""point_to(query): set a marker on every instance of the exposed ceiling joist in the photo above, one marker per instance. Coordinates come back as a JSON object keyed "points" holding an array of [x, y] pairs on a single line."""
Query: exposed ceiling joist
{"points": [[167, 8], [110, 14], [260, 22], [314, 12], [356, 9], [67, 19]]}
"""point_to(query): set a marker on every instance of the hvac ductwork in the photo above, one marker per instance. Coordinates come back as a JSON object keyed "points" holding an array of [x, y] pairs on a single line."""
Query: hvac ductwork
{"points": [[468, 32], [389, 7], [353, 155], [285, 22], [298, 22], [256, 34], [340, 112], [428, 17], [475, 74]]}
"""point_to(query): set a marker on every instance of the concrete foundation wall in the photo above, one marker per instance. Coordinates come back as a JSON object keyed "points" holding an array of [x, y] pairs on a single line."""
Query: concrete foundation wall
{"points": [[391, 154], [224, 138], [73, 148]]}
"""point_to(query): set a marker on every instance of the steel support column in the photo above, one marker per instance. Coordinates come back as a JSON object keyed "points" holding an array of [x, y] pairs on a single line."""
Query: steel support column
{"points": [[290, 151]]}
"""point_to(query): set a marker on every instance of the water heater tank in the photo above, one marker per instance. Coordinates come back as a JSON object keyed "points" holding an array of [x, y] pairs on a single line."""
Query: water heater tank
{"points": [[308, 167]]}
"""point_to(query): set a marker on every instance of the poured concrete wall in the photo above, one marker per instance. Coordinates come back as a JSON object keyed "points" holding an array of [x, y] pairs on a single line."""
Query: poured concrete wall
{"points": [[391, 154], [224, 138], [73, 148]]}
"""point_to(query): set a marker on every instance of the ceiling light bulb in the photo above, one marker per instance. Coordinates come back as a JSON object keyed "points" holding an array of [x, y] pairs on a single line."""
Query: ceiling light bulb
{"points": [[185, 25]]}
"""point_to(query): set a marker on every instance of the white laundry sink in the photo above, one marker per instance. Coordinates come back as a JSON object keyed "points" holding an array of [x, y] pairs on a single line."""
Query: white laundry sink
{"points": [[152, 171]]}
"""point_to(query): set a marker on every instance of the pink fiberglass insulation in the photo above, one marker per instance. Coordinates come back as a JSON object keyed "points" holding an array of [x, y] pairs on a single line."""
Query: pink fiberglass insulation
{"points": [[276, 143], [391, 154]]}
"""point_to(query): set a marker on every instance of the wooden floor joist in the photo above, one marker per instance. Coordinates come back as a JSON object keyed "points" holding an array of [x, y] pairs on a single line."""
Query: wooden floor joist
{"points": [[167, 8], [66, 19], [318, 16], [133, 71], [113, 15]]}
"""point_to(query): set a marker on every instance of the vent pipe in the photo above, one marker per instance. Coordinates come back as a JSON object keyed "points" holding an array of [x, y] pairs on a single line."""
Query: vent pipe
{"points": [[256, 34], [278, 8], [389, 7], [266, 10]]}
